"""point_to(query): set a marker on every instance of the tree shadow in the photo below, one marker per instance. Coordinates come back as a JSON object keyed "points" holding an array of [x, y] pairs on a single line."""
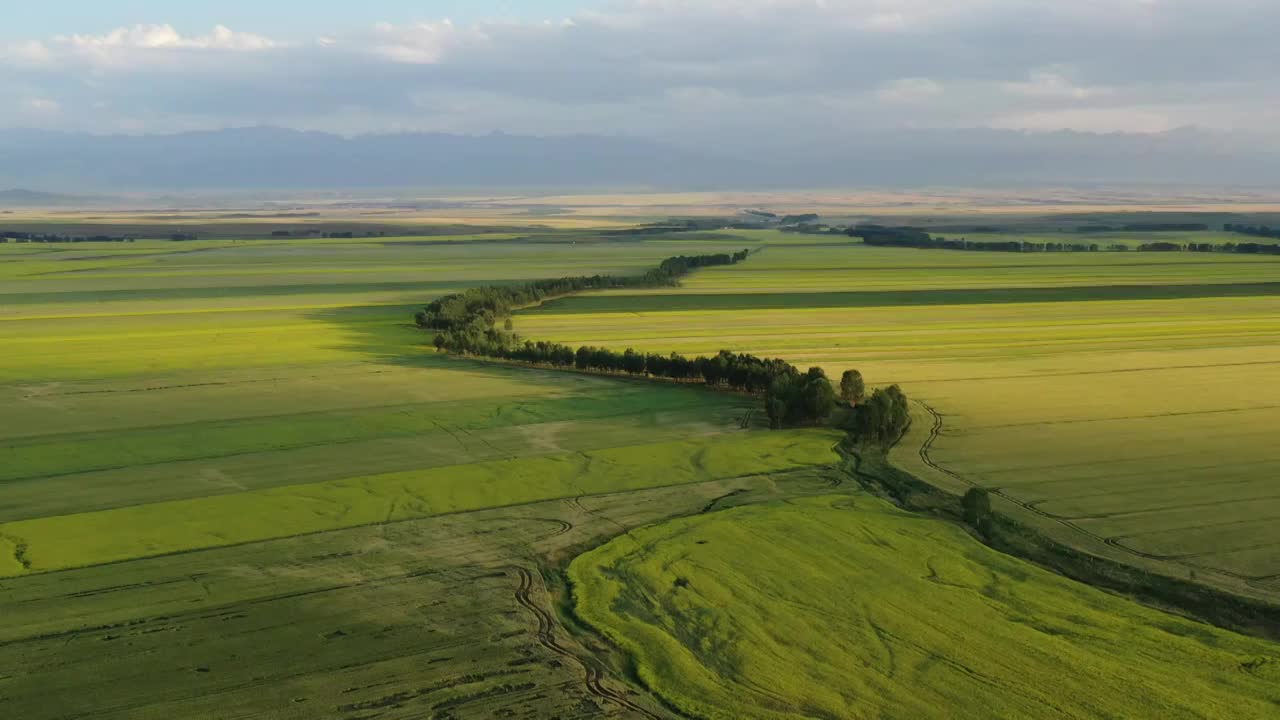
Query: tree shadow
{"points": [[387, 335]]}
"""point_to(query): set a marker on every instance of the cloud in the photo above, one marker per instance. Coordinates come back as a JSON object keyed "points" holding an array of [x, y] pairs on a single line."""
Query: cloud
{"points": [[714, 71], [909, 90], [165, 37], [1100, 120], [1053, 85], [41, 106]]}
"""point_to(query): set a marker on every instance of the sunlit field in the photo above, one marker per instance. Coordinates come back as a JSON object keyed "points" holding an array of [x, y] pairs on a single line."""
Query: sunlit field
{"points": [[239, 467], [260, 423], [848, 607], [1131, 419]]}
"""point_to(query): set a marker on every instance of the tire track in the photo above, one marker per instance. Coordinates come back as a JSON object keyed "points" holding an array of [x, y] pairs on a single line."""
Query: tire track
{"points": [[1123, 418], [593, 670], [564, 527]]}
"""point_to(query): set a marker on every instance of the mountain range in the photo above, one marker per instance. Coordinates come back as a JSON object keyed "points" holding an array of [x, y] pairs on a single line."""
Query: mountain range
{"points": [[276, 158]]}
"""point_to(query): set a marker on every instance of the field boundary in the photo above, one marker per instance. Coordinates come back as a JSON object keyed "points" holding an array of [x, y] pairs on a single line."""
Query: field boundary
{"points": [[1215, 605]]}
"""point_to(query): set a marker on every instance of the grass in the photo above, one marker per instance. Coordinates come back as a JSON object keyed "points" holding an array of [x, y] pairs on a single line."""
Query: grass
{"points": [[847, 607], [56, 543], [216, 456], [417, 617], [674, 302], [1097, 413], [116, 411], [235, 482]]}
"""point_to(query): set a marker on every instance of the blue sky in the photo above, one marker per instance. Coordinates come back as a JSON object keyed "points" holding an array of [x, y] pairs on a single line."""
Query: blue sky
{"points": [[277, 18]]}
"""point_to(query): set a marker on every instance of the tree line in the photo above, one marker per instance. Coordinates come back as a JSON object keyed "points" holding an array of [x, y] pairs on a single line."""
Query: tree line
{"points": [[477, 309], [1242, 248], [1255, 230], [1144, 227], [879, 235], [30, 237], [477, 322]]}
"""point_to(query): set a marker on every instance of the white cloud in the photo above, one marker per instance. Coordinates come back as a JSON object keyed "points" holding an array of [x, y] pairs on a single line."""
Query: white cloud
{"points": [[32, 52], [1099, 120], [909, 90], [423, 43], [693, 71], [1051, 84], [41, 106], [165, 37]]}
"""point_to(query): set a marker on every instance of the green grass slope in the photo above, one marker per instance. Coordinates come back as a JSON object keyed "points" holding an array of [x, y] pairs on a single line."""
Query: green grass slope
{"points": [[847, 607], [67, 541]]}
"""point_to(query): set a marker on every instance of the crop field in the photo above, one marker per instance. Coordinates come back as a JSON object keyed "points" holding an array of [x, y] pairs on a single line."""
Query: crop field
{"points": [[848, 607], [235, 482], [437, 617], [1132, 419], [237, 466]]}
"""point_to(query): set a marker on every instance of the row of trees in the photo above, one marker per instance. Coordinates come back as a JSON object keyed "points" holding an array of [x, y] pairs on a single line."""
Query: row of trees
{"points": [[478, 309], [878, 235], [468, 323], [1255, 230], [29, 237], [1144, 227], [1243, 248]]}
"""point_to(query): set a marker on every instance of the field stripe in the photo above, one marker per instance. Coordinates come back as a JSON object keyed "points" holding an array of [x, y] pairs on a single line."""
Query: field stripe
{"points": [[604, 304], [68, 541]]}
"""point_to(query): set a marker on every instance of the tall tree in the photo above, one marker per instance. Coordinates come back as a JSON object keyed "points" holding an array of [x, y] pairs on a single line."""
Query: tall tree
{"points": [[852, 387]]}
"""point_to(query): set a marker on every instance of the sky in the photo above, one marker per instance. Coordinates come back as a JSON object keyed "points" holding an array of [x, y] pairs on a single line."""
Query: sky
{"points": [[278, 18], [720, 72]]}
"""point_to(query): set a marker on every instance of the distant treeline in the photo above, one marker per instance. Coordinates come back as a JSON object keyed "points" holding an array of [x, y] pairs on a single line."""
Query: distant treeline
{"points": [[681, 225], [879, 235], [27, 237], [1244, 248], [1254, 230], [346, 234], [478, 322], [1144, 227], [882, 236], [802, 219]]}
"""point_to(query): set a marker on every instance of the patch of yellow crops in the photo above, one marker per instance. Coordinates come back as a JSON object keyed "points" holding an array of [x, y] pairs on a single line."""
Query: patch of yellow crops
{"points": [[1101, 416]]}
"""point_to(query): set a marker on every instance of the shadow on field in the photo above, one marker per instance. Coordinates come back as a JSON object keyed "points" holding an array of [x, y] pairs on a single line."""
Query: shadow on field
{"points": [[381, 333], [387, 335]]}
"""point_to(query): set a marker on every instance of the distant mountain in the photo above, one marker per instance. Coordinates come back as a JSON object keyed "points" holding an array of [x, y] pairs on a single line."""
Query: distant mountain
{"points": [[273, 158], [19, 197], [977, 157], [265, 157]]}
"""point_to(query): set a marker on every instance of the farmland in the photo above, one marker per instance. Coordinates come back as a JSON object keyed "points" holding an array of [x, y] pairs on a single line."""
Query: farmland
{"points": [[1120, 401], [236, 482], [848, 607], [253, 433]]}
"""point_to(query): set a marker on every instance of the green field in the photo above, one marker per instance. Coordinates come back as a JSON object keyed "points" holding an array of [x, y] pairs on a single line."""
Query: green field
{"points": [[847, 607], [259, 422], [1132, 420], [236, 482]]}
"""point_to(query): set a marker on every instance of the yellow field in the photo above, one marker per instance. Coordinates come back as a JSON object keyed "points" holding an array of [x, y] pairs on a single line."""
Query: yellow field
{"points": [[1140, 429]]}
